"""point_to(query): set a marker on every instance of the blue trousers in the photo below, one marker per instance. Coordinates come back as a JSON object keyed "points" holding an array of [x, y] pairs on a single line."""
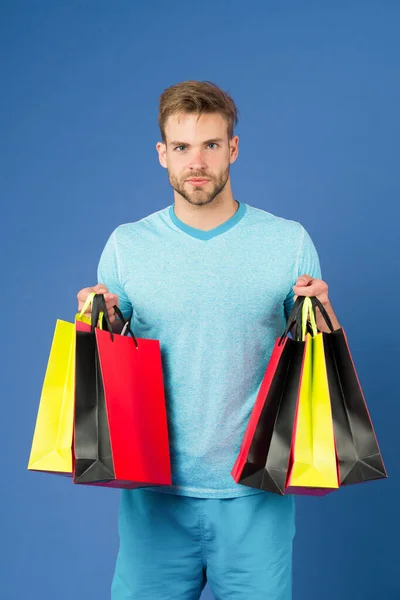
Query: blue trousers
{"points": [[171, 546]]}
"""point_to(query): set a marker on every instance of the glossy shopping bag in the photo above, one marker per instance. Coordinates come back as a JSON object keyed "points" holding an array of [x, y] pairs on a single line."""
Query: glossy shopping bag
{"points": [[120, 433], [51, 449], [265, 452], [313, 468], [358, 453], [322, 425], [52, 439]]}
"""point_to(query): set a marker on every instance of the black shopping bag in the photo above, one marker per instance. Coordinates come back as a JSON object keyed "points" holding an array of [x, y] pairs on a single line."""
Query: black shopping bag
{"points": [[358, 453]]}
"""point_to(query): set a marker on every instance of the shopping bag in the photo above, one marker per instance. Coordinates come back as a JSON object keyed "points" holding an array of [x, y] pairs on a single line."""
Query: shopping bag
{"points": [[51, 445], [313, 469], [51, 449], [264, 456], [120, 430], [357, 448]]}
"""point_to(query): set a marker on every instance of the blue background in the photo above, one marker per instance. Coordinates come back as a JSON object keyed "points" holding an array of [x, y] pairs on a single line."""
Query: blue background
{"points": [[317, 86]]}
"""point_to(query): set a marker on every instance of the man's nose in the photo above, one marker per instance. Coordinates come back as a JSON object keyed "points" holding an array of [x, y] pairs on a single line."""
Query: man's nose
{"points": [[197, 161]]}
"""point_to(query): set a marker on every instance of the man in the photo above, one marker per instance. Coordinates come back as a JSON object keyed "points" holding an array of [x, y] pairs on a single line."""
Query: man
{"points": [[213, 279]]}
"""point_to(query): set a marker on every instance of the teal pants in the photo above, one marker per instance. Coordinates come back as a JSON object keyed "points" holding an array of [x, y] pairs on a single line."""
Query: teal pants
{"points": [[171, 546]]}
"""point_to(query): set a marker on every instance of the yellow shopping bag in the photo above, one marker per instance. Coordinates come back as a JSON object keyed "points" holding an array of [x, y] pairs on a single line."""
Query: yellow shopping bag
{"points": [[52, 439], [51, 449], [314, 464]]}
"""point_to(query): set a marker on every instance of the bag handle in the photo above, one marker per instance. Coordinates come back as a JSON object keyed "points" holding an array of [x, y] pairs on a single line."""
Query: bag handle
{"points": [[303, 315], [126, 323], [310, 320], [100, 313], [100, 306], [306, 320], [317, 303], [293, 317], [88, 302], [308, 316]]}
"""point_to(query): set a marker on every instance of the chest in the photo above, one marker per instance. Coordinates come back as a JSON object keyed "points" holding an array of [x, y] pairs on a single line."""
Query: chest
{"points": [[173, 283]]}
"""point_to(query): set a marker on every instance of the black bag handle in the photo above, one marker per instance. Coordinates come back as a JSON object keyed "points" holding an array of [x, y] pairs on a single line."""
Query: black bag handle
{"points": [[293, 317], [98, 306], [326, 317], [124, 323], [316, 303]]}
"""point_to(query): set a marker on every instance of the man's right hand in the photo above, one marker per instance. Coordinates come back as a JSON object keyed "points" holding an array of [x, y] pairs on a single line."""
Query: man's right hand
{"points": [[111, 300]]}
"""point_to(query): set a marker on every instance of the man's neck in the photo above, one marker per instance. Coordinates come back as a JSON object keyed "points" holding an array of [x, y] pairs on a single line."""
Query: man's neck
{"points": [[207, 216]]}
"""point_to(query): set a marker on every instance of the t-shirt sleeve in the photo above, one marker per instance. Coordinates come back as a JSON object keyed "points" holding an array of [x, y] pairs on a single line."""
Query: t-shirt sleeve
{"points": [[307, 263], [109, 272]]}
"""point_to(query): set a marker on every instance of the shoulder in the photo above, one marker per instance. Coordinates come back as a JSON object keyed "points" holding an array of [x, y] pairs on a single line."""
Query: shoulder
{"points": [[128, 231], [286, 229]]}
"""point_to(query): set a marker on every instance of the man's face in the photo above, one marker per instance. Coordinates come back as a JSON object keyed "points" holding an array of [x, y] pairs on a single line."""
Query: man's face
{"points": [[197, 154]]}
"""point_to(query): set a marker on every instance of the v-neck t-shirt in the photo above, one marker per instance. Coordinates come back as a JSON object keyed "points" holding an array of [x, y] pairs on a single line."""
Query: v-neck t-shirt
{"points": [[217, 301]]}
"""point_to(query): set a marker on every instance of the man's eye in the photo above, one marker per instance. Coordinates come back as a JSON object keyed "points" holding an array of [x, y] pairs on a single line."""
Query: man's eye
{"points": [[180, 148], [213, 144]]}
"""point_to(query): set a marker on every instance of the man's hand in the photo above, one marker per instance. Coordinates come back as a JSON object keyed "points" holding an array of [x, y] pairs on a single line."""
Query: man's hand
{"points": [[110, 299], [307, 286]]}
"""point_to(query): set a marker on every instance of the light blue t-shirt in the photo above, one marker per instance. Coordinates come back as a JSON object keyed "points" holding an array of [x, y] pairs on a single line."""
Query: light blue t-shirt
{"points": [[217, 301]]}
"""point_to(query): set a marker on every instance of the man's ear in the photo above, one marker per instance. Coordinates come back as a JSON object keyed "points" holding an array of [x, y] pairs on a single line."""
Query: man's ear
{"points": [[233, 148], [162, 154]]}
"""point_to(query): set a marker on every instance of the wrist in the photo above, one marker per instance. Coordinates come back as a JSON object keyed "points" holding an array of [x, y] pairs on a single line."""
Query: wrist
{"points": [[326, 303]]}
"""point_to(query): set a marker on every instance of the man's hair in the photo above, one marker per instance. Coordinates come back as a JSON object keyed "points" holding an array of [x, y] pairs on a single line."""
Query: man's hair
{"points": [[196, 97]]}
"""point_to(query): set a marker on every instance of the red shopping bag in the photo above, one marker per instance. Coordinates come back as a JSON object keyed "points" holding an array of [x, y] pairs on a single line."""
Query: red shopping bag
{"points": [[264, 458], [120, 425]]}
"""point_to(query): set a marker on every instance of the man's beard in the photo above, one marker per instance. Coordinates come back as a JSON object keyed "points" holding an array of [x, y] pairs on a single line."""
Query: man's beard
{"points": [[199, 196]]}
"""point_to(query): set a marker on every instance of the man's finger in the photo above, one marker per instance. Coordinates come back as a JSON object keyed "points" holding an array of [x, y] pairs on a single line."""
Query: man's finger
{"points": [[110, 304], [304, 281], [111, 298], [97, 289]]}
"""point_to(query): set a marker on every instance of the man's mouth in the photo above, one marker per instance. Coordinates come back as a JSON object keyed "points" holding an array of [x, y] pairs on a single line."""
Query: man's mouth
{"points": [[197, 181]]}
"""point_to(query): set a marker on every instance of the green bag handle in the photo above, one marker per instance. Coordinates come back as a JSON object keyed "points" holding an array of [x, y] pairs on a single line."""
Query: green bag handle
{"points": [[89, 302], [308, 314]]}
